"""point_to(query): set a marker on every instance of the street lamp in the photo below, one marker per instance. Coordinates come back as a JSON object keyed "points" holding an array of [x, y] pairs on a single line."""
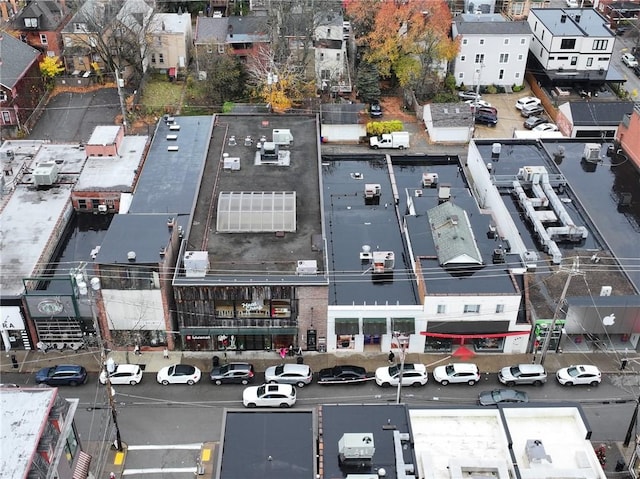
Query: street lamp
{"points": [[402, 343]]}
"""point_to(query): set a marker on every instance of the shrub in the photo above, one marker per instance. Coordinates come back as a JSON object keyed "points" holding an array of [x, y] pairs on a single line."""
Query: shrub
{"points": [[377, 128], [445, 97], [517, 88], [492, 89]]}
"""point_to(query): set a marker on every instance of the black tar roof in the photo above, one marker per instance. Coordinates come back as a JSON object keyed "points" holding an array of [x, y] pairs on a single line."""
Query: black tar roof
{"points": [[268, 445], [170, 180], [379, 420], [260, 258], [596, 113]]}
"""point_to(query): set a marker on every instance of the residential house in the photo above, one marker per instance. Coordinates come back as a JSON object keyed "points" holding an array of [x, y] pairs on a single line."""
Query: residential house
{"points": [[171, 42], [21, 84], [342, 122], [39, 436], [40, 25], [493, 51], [332, 69], [519, 9], [628, 136], [129, 34], [592, 119], [571, 46]]}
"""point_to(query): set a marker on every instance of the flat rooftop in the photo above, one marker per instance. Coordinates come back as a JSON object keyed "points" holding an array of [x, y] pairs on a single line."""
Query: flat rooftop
{"points": [[24, 413], [380, 422], [579, 22], [261, 255], [268, 445]]}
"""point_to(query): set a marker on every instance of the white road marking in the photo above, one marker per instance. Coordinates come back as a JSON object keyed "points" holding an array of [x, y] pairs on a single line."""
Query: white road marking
{"points": [[152, 447], [158, 470]]}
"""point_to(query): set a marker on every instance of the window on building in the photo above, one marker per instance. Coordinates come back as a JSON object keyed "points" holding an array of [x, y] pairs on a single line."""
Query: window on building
{"points": [[563, 58], [442, 309], [153, 58], [517, 8], [31, 23], [321, 56], [589, 61], [499, 308], [220, 48], [600, 44], [506, 41], [463, 58], [479, 57], [482, 41], [603, 59], [325, 74], [501, 74], [523, 41], [568, 44], [465, 41], [43, 39], [471, 308], [541, 51], [504, 58], [574, 61], [517, 74], [461, 75], [3, 96], [520, 57], [535, 26], [160, 58], [6, 117], [338, 56], [542, 38]]}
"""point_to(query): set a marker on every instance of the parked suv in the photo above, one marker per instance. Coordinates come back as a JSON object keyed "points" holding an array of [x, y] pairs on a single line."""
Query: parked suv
{"points": [[298, 374], [238, 373], [486, 118], [629, 60], [523, 374], [62, 375], [412, 375], [531, 110], [457, 373]]}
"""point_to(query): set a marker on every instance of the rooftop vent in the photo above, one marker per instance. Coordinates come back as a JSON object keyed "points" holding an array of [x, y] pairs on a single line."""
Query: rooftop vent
{"points": [[46, 173], [429, 180], [383, 262], [536, 453], [356, 449], [196, 264], [309, 266], [131, 256]]}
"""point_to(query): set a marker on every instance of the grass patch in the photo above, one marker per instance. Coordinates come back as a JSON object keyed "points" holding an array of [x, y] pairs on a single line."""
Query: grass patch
{"points": [[161, 96]]}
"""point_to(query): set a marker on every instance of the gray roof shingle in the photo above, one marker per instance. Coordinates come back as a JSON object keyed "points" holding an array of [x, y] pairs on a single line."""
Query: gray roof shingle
{"points": [[493, 24], [14, 66], [599, 113]]}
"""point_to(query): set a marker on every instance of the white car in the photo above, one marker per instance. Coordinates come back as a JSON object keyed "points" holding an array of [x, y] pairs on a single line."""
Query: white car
{"points": [[269, 395], [478, 103], [123, 374], [629, 60], [572, 3], [412, 375], [179, 374], [457, 373], [527, 101], [545, 127], [298, 374], [579, 374]]}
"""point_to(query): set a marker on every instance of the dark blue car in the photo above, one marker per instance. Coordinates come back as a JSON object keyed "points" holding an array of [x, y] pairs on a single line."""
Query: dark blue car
{"points": [[62, 375]]}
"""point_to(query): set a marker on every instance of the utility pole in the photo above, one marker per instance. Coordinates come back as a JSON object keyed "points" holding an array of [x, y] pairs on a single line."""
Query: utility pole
{"points": [[401, 344], [547, 340], [120, 85]]}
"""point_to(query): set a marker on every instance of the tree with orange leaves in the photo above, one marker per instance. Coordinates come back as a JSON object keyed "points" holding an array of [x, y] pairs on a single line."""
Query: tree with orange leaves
{"points": [[406, 39]]}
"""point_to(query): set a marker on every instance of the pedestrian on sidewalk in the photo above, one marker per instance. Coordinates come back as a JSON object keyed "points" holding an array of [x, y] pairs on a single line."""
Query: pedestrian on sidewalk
{"points": [[392, 357], [136, 349], [165, 353]]}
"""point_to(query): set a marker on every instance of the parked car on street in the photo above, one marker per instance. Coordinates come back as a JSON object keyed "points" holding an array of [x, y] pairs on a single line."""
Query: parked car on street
{"points": [[523, 374], [298, 374], [179, 374], [232, 373], [533, 121], [469, 95], [501, 396], [345, 374], [375, 110], [456, 373], [269, 395], [579, 374], [629, 60], [526, 101], [486, 118], [412, 375], [123, 374], [62, 375], [546, 127], [636, 70], [531, 110]]}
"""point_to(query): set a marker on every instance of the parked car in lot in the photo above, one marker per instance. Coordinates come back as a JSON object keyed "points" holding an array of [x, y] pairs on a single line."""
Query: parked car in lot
{"points": [[412, 375], [62, 375], [579, 374], [478, 103], [501, 396], [345, 374], [527, 101], [232, 373], [629, 59], [269, 395], [486, 118], [123, 374], [456, 373], [533, 121], [523, 374], [531, 110], [179, 374], [469, 95], [298, 374], [546, 127], [484, 109]]}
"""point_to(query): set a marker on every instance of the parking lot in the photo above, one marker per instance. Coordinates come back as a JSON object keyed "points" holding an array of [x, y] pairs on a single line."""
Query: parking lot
{"points": [[509, 118]]}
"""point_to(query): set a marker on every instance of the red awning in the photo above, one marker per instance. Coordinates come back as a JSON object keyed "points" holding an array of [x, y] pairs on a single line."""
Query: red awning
{"points": [[474, 336]]}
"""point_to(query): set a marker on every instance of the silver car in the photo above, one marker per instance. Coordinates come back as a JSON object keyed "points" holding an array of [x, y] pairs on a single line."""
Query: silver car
{"points": [[523, 374], [298, 374]]}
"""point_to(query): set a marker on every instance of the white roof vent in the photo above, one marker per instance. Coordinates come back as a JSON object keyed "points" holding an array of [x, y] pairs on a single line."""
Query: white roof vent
{"points": [[131, 255], [196, 264], [606, 291], [308, 266]]}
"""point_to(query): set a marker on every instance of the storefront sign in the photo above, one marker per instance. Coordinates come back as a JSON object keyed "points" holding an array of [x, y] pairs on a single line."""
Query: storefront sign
{"points": [[10, 318], [200, 337], [251, 306]]}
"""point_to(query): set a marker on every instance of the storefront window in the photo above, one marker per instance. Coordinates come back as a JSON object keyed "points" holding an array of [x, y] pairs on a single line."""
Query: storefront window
{"points": [[224, 309], [281, 308], [437, 345], [488, 344]]}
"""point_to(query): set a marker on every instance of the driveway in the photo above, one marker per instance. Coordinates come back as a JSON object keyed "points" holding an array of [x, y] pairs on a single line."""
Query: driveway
{"points": [[509, 118], [71, 117]]}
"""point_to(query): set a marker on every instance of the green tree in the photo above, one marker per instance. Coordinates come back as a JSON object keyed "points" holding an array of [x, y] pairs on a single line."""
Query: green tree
{"points": [[50, 67], [225, 79], [368, 83]]}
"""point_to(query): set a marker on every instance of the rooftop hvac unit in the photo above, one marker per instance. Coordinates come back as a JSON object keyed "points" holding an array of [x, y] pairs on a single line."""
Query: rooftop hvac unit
{"points": [[172, 137], [591, 152], [196, 264], [174, 127], [535, 452], [606, 291], [356, 448], [444, 192], [429, 180], [383, 261], [46, 173], [232, 164], [282, 137], [372, 190], [172, 148], [307, 266]]}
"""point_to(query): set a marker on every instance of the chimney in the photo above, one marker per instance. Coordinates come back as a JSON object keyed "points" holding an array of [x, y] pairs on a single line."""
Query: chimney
{"points": [[563, 18], [577, 18], [230, 30]]}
